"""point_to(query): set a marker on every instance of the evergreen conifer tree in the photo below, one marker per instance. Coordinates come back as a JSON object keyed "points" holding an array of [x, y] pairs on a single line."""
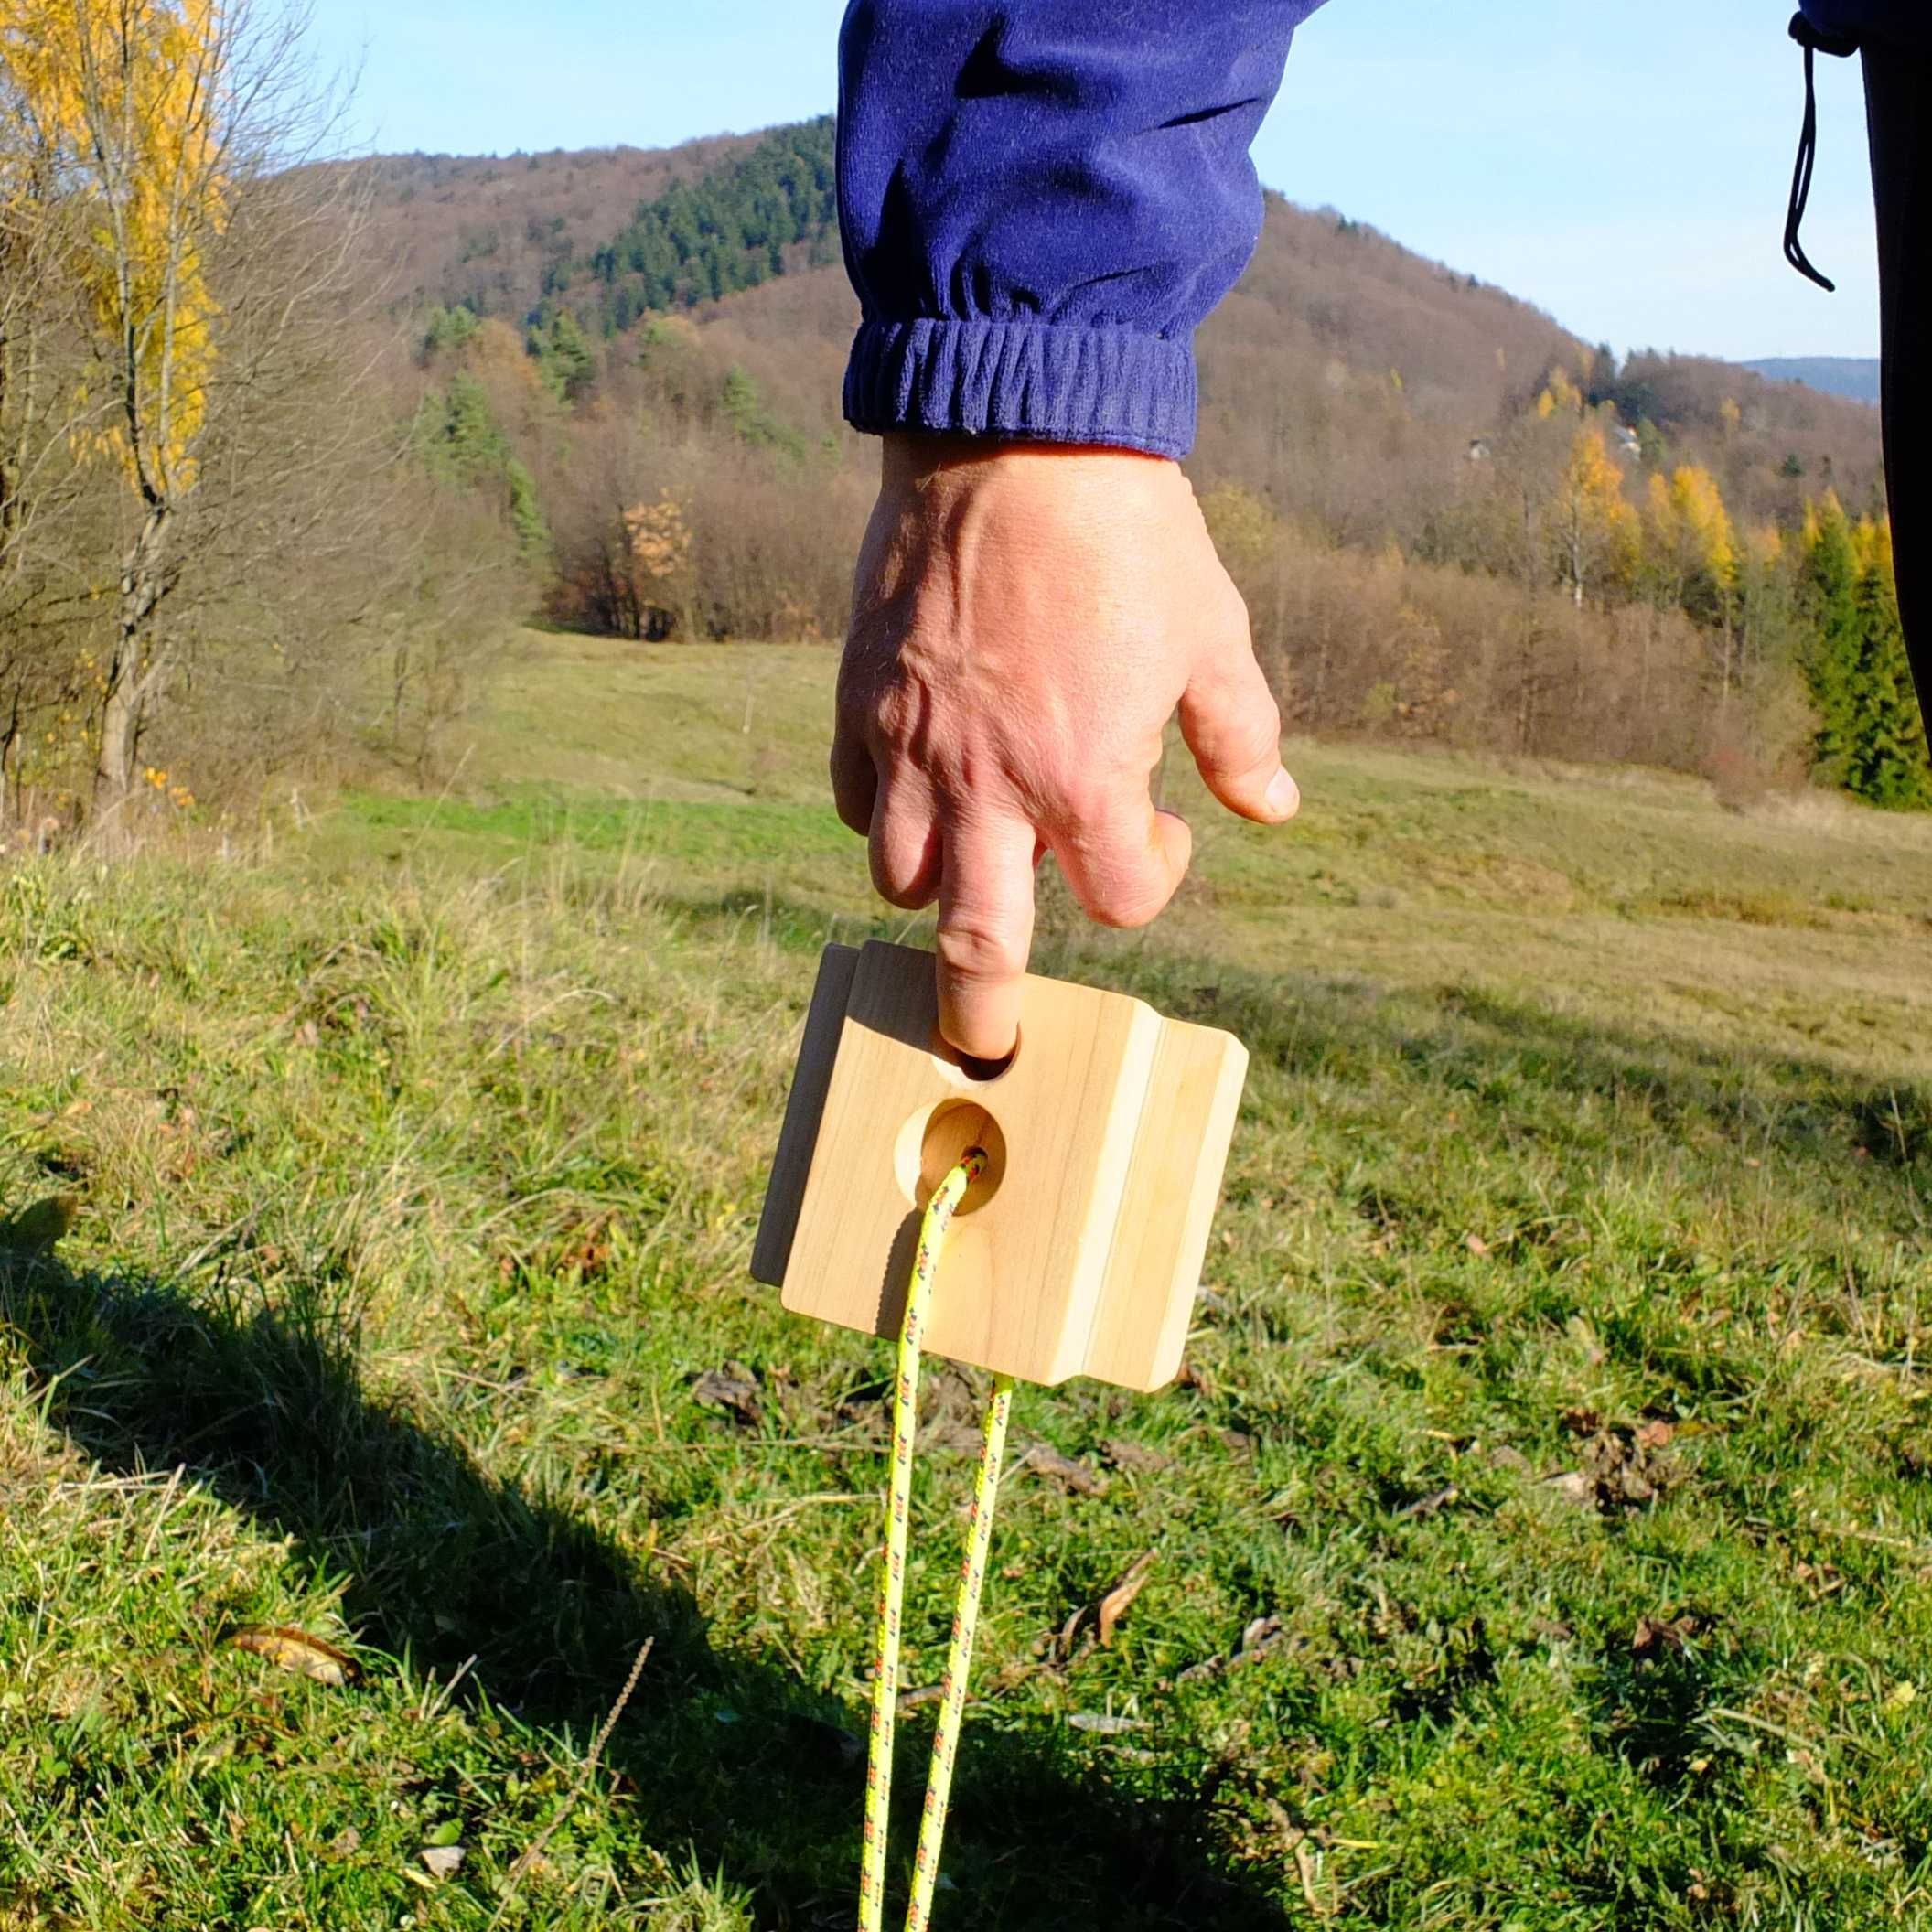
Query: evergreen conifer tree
{"points": [[1829, 599]]}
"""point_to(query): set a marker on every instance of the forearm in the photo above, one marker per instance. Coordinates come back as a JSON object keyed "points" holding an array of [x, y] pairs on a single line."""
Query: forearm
{"points": [[1040, 200]]}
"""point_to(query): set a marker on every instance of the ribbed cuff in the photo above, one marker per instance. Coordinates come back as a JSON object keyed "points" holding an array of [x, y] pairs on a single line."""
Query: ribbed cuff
{"points": [[1045, 382]]}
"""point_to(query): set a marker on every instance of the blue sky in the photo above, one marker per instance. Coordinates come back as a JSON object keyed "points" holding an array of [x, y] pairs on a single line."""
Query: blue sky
{"points": [[1624, 166]]}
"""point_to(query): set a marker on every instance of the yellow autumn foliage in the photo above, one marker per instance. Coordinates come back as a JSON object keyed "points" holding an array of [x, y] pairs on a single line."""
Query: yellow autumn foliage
{"points": [[1596, 522], [1871, 545], [1592, 479], [1688, 519], [119, 102], [1559, 395], [1704, 521]]}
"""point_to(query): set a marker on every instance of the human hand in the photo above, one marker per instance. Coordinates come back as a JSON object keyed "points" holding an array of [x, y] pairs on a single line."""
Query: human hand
{"points": [[1026, 619]]}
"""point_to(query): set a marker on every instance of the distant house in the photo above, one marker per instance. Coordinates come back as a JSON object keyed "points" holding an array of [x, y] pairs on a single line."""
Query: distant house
{"points": [[1478, 449], [1627, 442]]}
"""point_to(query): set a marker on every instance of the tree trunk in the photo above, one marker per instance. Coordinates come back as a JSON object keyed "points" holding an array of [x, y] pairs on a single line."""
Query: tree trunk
{"points": [[130, 680]]}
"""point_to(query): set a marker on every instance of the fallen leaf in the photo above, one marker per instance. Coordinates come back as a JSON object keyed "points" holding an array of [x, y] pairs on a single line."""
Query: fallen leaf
{"points": [[440, 1861], [1114, 1605], [1070, 1473], [1090, 1625], [1654, 1434], [296, 1650], [1061, 1646], [1658, 1633], [587, 1249], [1476, 1244], [732, 1387]]}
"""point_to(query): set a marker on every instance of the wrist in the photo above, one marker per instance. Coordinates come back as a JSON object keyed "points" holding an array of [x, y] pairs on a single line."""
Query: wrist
{"points": [[911, 458]]}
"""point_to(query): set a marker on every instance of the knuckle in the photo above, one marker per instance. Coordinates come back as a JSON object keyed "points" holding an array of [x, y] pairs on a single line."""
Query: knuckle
{"points": [[849, 797], [1250, 731], [905, 890], [1086, 801], [1264, 734], [972, 946], [1127, 902], [1129, 911]]}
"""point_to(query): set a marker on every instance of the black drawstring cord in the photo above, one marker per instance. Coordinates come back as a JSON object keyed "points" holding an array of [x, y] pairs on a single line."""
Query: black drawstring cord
{"points": [[1813, 42]]}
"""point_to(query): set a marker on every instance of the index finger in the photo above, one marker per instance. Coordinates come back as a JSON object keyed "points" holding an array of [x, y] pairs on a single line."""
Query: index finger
{"points": [[985, 933]]}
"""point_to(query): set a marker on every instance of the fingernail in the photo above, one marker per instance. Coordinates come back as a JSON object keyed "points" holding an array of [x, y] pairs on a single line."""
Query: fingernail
{"points": [[1283, 795]]}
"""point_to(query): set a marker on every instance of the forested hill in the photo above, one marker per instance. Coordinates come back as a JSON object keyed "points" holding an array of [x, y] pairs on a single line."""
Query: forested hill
{"points": [[485, 230], [1345, 369], [1453, 517], [612, 233]]}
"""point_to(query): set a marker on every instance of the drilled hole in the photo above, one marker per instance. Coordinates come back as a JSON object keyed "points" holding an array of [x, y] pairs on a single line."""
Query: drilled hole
{"points": [[951, 1130], [975, 1069]]}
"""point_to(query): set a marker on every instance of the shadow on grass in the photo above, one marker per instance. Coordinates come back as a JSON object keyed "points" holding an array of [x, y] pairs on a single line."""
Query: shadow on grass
{"points": [[730, 1756]]}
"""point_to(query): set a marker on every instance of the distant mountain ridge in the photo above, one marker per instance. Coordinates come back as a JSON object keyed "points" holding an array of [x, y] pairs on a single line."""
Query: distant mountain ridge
{"points": [[1852, 376]]}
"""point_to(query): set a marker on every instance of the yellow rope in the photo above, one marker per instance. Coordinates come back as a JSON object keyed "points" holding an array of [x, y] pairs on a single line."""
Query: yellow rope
{"points": [[892, 1586]]}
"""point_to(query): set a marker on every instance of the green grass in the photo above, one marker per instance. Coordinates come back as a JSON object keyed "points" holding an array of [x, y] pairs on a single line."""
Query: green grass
{"points": [[1556, 1428]]}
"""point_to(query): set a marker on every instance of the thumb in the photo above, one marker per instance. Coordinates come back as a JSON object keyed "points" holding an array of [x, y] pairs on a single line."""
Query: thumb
{"points": [[1233, 728]]}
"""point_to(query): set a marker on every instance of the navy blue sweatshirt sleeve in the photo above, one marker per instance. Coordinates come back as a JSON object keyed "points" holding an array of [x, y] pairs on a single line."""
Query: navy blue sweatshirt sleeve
{"points": [[1040, 200]]}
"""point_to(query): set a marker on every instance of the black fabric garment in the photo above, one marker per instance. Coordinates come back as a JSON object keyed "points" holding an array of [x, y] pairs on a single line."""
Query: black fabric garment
{"points": [[1896, 93]]}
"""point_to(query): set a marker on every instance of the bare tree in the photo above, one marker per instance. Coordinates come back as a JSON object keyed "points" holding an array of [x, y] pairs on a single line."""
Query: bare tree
{"points": [[211, 261]]}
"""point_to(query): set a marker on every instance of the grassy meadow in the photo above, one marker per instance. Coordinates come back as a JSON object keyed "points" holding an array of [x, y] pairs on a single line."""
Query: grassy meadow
{"points": [[1540, 1534]]}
